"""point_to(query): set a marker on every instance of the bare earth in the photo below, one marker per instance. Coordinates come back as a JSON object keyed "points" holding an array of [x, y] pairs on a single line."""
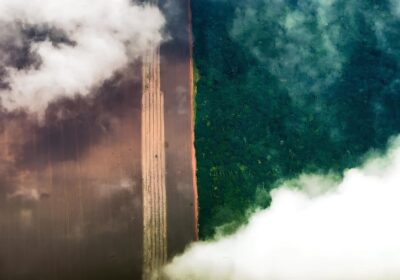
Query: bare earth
{"points": [[71, 199]]}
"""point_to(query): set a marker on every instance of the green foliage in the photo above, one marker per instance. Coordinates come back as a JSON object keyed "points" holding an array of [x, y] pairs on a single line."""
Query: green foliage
{"points": [[251, 132]]}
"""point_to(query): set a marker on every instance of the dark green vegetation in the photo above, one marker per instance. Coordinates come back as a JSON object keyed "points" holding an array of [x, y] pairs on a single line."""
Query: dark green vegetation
{"points": [[288, 87]]}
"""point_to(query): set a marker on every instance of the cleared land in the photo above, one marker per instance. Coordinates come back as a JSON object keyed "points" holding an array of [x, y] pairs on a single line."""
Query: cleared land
{"points": [[153, 167]]}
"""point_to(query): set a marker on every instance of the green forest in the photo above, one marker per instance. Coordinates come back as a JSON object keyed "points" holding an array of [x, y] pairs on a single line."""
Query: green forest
{"points": [[285, 88]]}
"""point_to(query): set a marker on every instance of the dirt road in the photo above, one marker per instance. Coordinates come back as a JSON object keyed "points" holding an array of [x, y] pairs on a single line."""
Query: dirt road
{"points": [[168, 162]]}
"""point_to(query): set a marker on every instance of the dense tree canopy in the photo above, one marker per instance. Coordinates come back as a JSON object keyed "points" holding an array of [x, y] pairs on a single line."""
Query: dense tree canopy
{"points": [[283, 90]]}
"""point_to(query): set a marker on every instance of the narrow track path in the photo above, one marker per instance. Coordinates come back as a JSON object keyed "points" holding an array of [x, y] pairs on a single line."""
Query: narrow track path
{"points": [[153, 167]]}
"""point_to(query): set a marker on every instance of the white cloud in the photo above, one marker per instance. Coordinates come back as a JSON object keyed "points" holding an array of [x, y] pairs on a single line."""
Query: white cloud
{"points": [[25, 194], [125, 185], [350, 232], [301, 44], [107, 35], [307, 44]]}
